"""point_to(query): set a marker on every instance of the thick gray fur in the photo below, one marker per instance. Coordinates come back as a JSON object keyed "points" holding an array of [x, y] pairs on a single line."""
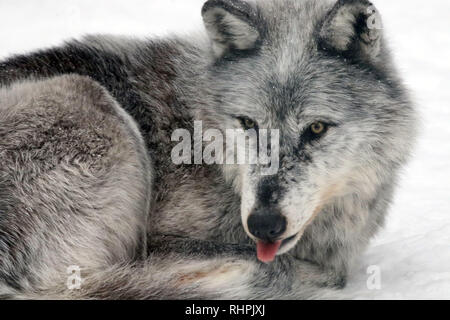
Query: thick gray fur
{"points": [[86, 177]]}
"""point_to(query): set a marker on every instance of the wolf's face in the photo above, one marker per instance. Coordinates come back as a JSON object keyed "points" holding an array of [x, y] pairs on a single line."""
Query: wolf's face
{"points": [[321, 75]]}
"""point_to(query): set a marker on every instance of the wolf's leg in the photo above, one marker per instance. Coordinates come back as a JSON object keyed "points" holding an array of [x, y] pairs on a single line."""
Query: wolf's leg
{"points": [[74, 182], [209, 269]]}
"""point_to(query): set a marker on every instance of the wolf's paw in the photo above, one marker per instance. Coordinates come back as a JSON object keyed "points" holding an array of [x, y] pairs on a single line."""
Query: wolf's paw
{"points": [[334, 281]]}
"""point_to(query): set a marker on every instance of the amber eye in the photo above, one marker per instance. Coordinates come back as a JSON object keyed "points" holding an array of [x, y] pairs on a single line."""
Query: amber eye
{"points": [[318, 128], [248, 123]]}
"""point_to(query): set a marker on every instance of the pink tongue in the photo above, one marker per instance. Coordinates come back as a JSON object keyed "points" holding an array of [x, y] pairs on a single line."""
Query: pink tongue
{"points": [[266, 251]]}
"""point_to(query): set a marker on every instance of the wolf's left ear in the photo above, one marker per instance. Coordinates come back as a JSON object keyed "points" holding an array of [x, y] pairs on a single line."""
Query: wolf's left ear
{"points": [[353, 28], [230, 25]]}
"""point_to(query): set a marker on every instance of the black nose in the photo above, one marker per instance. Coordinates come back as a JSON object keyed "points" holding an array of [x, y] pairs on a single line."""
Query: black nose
{"points": [[266, 224]]}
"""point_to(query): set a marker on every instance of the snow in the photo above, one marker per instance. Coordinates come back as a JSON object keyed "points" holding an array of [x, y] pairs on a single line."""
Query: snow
{"points": [[412, 254]]}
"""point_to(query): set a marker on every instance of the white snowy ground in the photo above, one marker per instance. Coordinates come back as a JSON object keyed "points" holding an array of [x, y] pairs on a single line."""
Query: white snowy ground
{"points": [[413, 252]]}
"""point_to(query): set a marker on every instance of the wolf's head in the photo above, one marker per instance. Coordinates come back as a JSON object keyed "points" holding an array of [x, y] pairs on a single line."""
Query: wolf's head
{"points": [[321, 74]]}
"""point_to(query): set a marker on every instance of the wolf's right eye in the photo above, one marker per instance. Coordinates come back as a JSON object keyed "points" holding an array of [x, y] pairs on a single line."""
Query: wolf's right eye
{"points": [[248, 123]]}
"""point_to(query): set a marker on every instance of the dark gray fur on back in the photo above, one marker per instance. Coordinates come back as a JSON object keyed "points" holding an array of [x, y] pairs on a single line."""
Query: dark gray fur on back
{"points": [[86, 175]]}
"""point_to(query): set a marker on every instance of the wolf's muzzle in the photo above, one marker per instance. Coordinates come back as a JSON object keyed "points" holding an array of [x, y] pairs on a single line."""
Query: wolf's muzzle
{"points": [[266, 224]]}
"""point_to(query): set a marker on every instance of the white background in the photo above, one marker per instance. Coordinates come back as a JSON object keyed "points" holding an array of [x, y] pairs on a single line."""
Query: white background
{"points": [[413, 252]]}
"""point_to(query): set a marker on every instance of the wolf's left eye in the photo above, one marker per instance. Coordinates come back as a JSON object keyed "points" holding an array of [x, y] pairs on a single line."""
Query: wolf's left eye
{"points": [[315, 131], [318, 128]]}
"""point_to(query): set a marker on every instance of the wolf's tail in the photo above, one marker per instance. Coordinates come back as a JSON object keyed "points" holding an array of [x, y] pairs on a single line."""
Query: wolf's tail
{"points": [[170, 276]]}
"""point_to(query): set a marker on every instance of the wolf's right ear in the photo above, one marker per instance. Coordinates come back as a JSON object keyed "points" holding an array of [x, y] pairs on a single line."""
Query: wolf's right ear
{"points": [[230, 25]]}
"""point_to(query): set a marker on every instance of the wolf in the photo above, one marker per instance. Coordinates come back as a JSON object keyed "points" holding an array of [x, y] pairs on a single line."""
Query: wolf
{"points": [[87, 180]]}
